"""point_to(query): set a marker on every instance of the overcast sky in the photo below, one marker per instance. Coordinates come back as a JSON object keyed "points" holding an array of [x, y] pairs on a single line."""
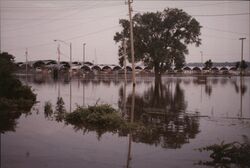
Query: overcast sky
{"points": [[34, 24]]}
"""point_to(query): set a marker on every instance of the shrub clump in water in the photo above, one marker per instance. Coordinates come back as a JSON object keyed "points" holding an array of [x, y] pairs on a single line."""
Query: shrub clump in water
{"points": [[100, 118], [228, 154]]}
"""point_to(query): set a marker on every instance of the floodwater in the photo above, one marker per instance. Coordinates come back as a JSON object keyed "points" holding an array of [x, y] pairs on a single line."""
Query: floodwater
{"points": [[188, 114]]}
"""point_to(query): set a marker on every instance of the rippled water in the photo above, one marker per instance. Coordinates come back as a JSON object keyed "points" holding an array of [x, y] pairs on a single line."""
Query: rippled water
{"points": [[187, 113]]}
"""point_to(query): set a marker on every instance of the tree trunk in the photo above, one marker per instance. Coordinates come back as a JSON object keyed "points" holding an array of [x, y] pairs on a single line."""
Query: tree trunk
{"points": [[157, 91], [157, 72]]}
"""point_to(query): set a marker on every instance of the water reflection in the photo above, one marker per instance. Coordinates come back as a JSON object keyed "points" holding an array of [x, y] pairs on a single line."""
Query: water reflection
{"points": [[162, 109], [48, 111], [240, 88], [132, 111], [58, 114], [165, 112]]}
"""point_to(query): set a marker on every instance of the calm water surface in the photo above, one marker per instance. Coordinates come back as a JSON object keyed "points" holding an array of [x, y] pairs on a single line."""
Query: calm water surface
{"points": [[188, 113]]}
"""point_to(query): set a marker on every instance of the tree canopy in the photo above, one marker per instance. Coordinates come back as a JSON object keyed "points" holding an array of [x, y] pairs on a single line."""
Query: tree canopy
{"points": [[208, 64], [160, 38], [7, 65], [241, 65], [15, 98]]}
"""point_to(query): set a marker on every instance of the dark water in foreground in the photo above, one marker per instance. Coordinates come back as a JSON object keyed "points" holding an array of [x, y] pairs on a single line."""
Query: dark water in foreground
{"points": [[188, 113]]}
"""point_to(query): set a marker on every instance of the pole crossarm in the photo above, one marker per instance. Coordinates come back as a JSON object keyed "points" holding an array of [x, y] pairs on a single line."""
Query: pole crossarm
{"points": [[66, 43], [70, 50]]}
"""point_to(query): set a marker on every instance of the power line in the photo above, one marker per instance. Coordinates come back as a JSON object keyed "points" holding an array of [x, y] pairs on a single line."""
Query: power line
{"points": [[67, 27], [208, 4], [51, 20], [226, 14], [200, 5], [226, 31], [39, 23], [218, 37], [84, 35], [55, 7], [75, 37]]}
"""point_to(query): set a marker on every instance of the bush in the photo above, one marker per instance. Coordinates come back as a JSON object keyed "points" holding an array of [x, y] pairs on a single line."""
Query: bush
{"points": [[99, 117], [15, 98], [228, 154]]}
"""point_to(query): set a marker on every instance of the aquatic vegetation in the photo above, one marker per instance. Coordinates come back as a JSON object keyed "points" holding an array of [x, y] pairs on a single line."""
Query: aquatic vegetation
{"points": [[60, 111], [228, 154], [48, 111], [101, 118], [58, 114]]}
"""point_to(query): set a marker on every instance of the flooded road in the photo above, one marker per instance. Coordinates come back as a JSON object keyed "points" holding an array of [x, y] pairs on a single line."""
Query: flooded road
{"points": [[183, 114]]}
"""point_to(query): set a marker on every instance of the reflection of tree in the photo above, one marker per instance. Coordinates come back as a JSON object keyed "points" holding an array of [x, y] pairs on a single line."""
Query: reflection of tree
{"points": [[39, 78], [240, 89], [58, 114], [48, 111], [60, 109], [161, 110], [208, 89], [11, 110], [8, 121]]}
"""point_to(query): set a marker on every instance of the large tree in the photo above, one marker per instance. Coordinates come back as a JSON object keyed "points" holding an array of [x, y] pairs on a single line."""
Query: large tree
{"points": [[160, 38], [208, 64]]}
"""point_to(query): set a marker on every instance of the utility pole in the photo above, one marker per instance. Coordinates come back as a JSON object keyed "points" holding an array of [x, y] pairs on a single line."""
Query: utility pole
{"points": [[95, 57], [26, 64], [242, 39], [132, 40], [70, 52], [125, 59], [58, 52], [201, 62], [83, 53], [70, 60]]}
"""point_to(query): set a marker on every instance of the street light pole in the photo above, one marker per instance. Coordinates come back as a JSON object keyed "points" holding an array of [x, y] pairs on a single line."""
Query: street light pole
{"points": [[83, 53], [243, 38], [59, 53], [70, 62], [26, 65]]}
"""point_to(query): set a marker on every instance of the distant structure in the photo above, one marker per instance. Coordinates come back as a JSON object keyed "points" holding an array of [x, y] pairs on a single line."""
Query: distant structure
{"points": [[89, 67]]}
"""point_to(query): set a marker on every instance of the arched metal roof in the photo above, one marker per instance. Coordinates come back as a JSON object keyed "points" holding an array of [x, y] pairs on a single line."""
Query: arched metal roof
{"points": [[96, 67], [116, 68], [196, 69], [85, 68], [215, 69], [106, 67], [224, 69]]}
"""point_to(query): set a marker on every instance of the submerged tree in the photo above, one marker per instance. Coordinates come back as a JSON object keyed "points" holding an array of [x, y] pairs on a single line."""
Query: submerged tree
{"points": [[241, 65], [160, 38], [208, 64]]}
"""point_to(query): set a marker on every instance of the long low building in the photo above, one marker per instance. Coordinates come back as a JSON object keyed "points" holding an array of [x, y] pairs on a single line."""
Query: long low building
{"points": [[87, 67]]}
